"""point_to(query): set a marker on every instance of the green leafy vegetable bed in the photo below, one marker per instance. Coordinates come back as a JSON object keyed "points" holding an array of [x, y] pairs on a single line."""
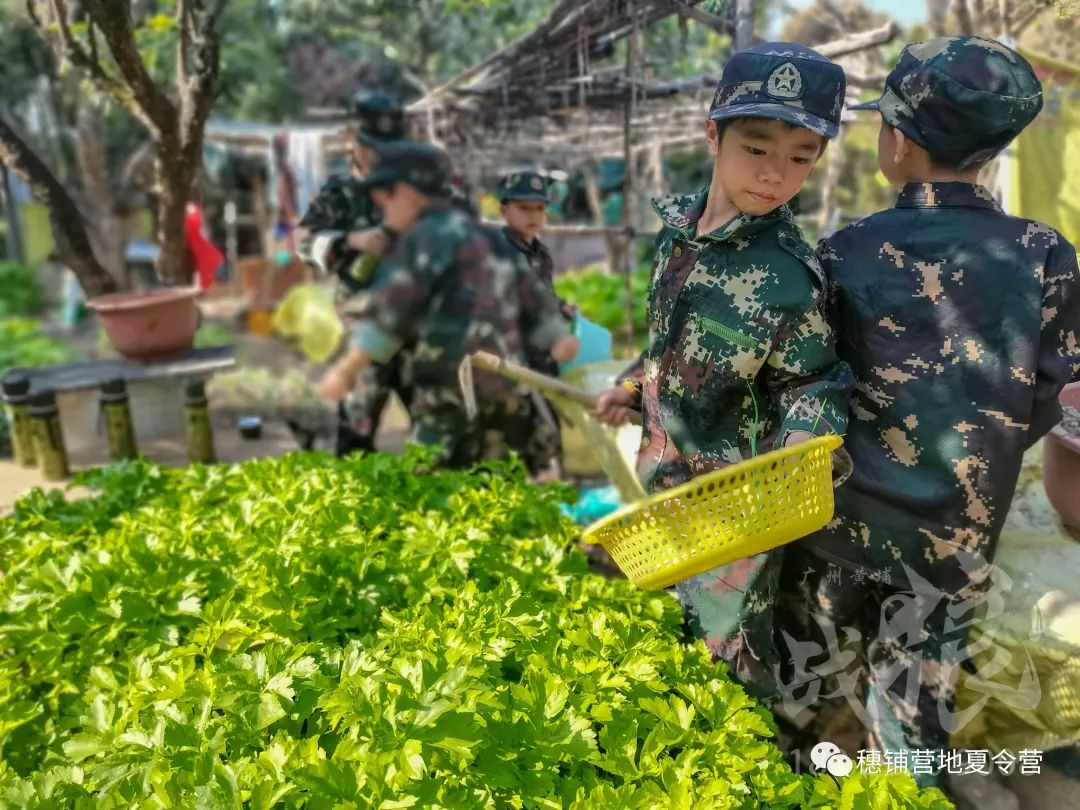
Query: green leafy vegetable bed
{"points": [[349, 634], [602, 297]]}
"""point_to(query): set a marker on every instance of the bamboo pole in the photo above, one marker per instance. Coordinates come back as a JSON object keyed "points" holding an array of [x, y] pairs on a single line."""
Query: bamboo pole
{"points": [[628, 176]]}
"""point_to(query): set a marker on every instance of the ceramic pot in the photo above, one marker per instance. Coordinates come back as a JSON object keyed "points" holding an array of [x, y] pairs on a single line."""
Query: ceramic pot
{"points": [[150, 326]]}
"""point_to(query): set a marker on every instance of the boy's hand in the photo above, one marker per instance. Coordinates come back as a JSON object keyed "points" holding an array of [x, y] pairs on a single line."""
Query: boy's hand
{"points": [[613, 406], [797, 437], [335, 386], [565, 348], [370, 240]]}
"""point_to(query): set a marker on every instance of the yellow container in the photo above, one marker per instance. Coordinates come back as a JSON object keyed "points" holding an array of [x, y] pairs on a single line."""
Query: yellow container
{"points": [[260, 322], [723, 516]]}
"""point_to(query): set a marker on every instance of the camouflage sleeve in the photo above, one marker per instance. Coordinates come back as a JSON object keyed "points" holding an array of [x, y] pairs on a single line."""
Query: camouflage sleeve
{"points": [[542, 320], [831, 300], [804, 375], [323, 247], [1059, 345], [386, 313], [326, 224]]}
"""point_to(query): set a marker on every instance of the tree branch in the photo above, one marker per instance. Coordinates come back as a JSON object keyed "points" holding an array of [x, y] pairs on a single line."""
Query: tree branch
{"points": [[113, 19], [199, 53], [69, 229], [838, 14], [72, 50], [963, 17], [699, 15], [183, 17], [1027, 20], [869, 81], [860, 41]]}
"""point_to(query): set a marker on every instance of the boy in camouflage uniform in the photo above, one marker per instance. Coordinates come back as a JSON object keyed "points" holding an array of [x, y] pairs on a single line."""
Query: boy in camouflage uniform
{"points": [[740, 359], [340, 235], [449, 288], [962, 325], [524, 199]]}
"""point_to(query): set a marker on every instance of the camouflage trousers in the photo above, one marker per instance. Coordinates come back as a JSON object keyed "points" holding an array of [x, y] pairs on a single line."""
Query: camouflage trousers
{"points": [[733, 609], [359, 416], [497, 431], [806, 636]]}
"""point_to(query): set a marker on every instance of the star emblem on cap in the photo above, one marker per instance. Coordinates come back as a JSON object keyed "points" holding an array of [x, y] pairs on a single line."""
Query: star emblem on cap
{"points": [[785, 82]]}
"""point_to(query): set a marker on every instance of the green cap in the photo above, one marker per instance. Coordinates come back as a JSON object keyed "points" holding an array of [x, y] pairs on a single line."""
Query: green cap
{"points": [[960, 98], [380, 117], [423, 166], [526, 185]]}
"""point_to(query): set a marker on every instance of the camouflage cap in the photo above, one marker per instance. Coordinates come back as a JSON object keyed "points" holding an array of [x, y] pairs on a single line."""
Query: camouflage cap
{"points": [[379, 115], [526, 185], [423, 166], [784, 81], [960, 98]]}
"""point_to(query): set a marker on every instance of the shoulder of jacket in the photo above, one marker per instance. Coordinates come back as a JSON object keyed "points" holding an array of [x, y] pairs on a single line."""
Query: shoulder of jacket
{"points": [[790, 240]]}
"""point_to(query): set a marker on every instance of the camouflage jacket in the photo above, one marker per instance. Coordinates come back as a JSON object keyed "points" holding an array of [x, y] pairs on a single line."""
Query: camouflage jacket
{"points": [[739, 354], [342, 205], [961, 325], [452, 287], [539, 259], [536, 254]]}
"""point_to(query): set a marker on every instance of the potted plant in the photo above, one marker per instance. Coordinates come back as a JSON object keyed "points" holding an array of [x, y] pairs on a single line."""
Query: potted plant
{"points": [[152, 325]]}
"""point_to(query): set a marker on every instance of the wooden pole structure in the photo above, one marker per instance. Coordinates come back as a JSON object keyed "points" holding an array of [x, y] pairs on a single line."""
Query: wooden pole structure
{"points": [[744, 25], [15, 248], [628, 251]]}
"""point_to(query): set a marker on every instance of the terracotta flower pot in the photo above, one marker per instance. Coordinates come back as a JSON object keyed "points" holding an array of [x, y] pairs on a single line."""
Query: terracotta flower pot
{"points": [[151, 326], [1061, 465]]}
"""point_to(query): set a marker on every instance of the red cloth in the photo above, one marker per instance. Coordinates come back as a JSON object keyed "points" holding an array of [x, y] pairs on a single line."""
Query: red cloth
{"points": [[206, 258]]}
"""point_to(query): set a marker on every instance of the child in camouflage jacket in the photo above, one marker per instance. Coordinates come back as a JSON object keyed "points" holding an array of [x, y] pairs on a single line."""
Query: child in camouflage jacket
{"points": [[740, 358]]}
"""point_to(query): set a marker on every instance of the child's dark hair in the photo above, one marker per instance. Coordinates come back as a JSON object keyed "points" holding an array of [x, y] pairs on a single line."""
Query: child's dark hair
{"points": [[963, 164], [958, 164], [724, 123]]}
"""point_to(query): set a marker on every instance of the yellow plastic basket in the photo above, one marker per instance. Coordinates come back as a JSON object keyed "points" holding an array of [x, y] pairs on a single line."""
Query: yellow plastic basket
{"points": [[723, 516]]}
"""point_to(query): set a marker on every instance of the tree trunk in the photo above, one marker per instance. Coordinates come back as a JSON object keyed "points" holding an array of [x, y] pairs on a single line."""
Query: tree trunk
{"points": [[962, 15], [744, 25], [833, 169], [174, 266], [937, 12], [596, 208], [69, 230]]}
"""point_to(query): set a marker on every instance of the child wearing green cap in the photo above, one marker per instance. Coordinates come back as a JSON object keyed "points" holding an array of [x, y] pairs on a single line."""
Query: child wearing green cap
{"points": [[962, 325], [523, 200], [740, 359], [523, 204]]}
